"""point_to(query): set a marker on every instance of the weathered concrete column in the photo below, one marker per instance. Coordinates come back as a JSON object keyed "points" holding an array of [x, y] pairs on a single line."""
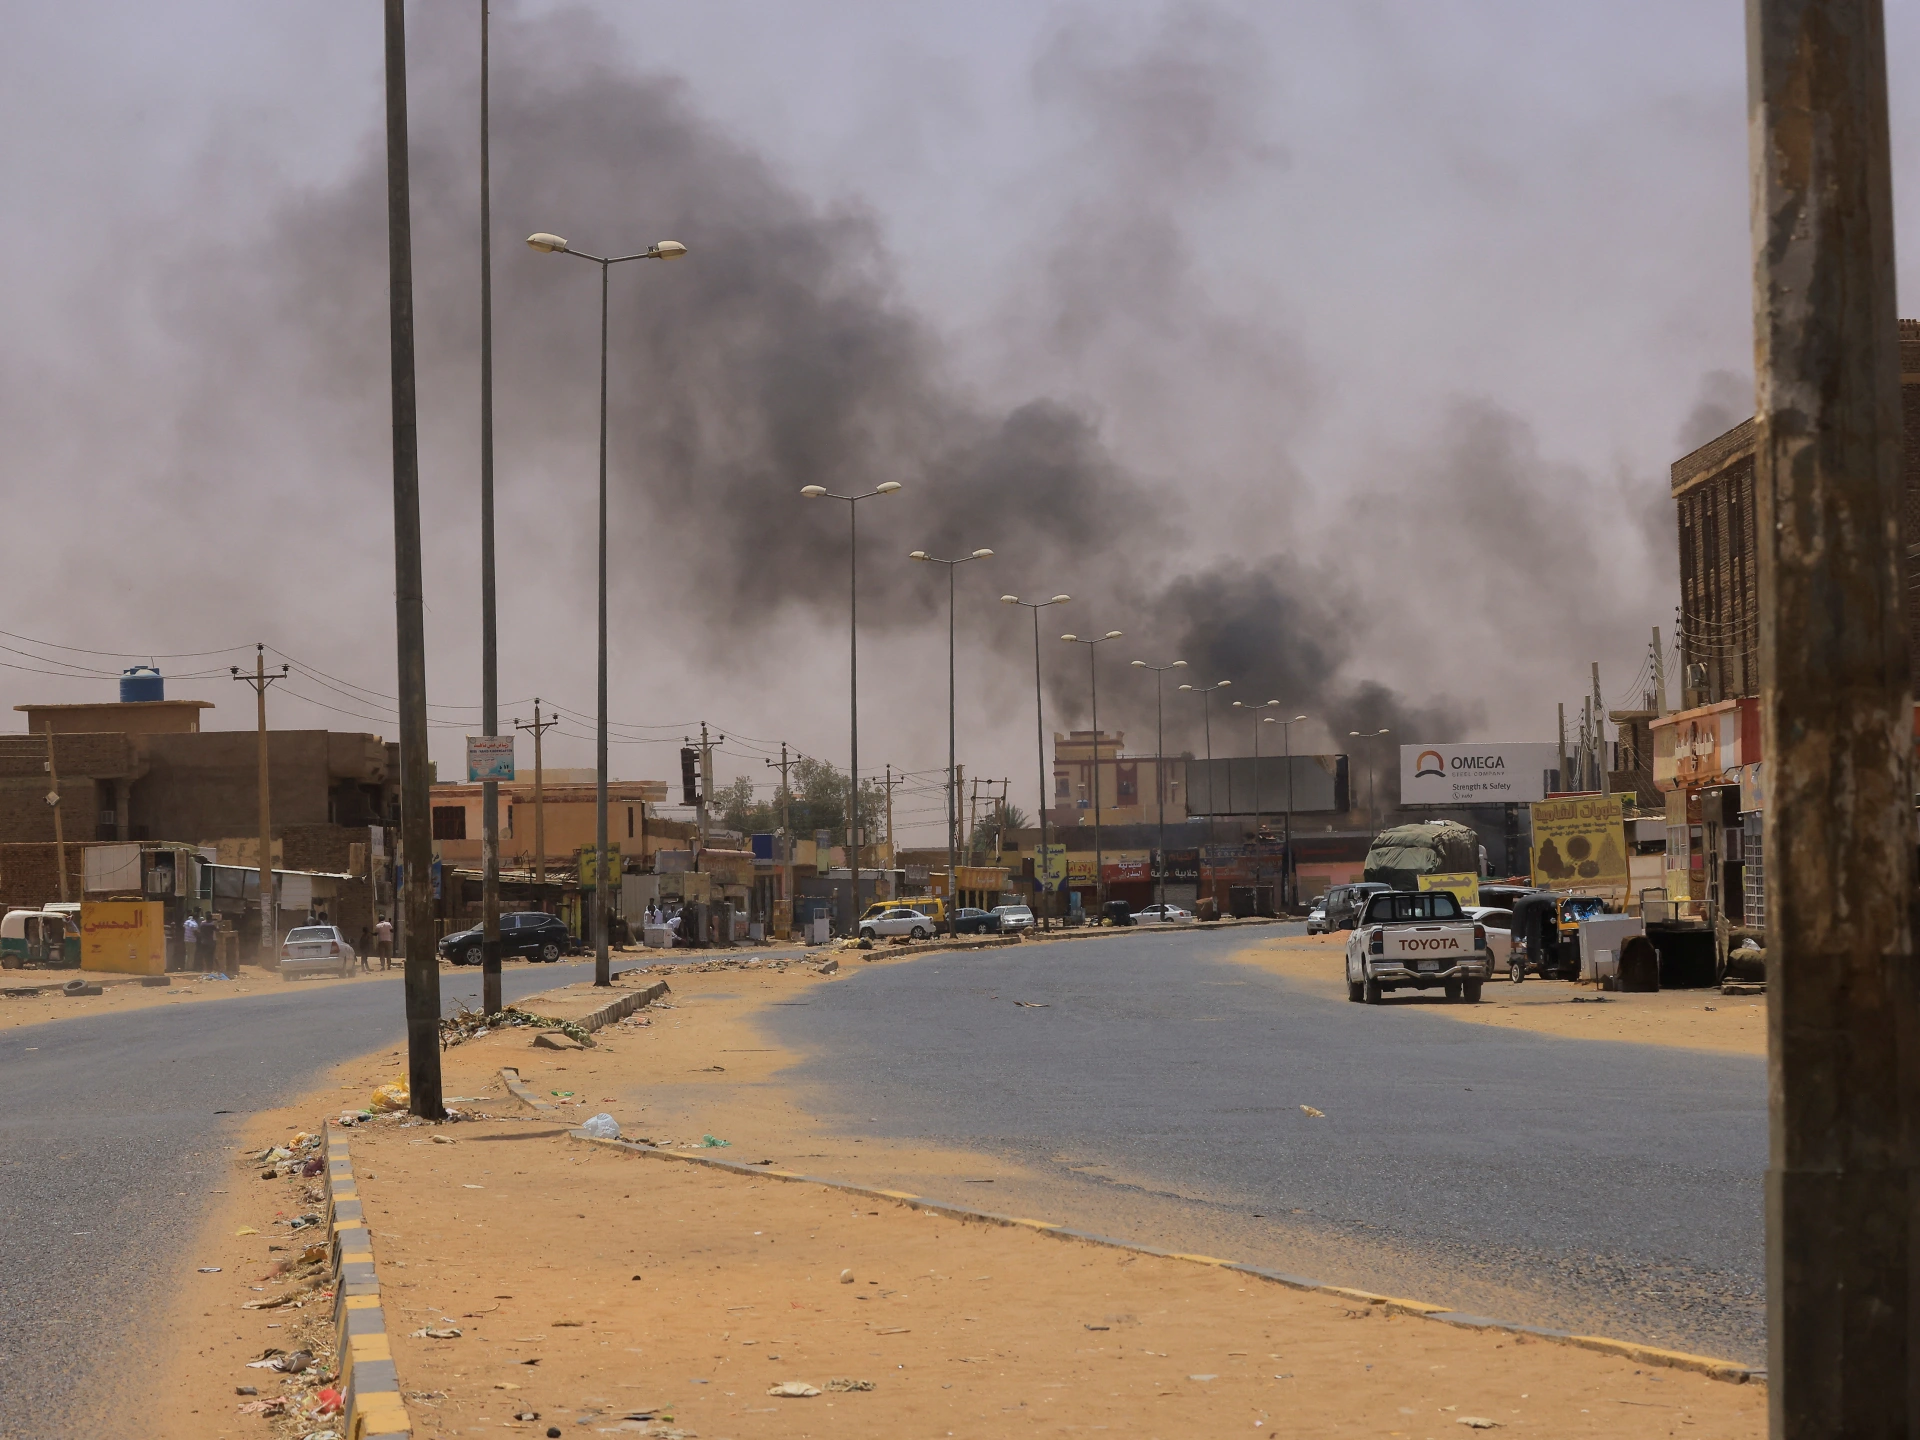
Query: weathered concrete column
{"points": [[1838, 727]]}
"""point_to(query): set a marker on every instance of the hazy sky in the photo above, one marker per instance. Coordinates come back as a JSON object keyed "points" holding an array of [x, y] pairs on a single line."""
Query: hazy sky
{"points": [[1340, 349]]}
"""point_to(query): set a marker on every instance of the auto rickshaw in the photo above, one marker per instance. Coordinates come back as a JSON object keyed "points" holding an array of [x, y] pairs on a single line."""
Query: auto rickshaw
{"points": [[38, 940], [1546, 930]]}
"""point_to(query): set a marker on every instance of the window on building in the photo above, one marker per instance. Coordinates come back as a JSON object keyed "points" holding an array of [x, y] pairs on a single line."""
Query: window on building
{"points": [[449, 822], [1126, 782], [1062, 788], [629, 822]]}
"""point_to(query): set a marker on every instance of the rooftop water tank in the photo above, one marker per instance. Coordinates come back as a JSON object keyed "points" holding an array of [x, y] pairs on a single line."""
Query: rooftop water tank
{"points": [[142, 682]]}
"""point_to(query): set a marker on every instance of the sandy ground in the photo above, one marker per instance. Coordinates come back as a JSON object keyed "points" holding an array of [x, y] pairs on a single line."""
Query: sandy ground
{"points": [[123, 992], [1688, 1019], [591, 1286]]}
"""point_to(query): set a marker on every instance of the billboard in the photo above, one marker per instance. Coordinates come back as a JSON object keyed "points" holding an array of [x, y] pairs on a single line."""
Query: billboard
{"points": [[1050, 867], [489, 757], [1489, 774], [1267, 785], [1580, 844]]}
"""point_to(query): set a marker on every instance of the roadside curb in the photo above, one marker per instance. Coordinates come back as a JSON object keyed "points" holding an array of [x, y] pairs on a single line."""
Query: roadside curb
{"points": [[1710, 1366], [617, 1009], [371, 1385], [521, 1091]]}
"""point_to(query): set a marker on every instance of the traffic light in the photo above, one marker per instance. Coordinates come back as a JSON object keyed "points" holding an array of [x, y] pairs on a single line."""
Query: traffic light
{"points": [[689, 775]]}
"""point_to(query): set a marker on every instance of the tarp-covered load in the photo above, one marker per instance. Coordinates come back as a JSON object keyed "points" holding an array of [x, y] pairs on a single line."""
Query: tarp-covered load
{"points": [[1398, 857]]}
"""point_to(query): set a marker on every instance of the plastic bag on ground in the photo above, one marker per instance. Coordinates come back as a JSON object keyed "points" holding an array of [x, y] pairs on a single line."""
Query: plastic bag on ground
{"points": [[601, 1127], [391, 1096]]}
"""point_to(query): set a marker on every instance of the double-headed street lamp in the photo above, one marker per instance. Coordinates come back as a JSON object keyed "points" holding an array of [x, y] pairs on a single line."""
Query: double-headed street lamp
{"points": [[820, 492], [659, 250], [1093, 682], [953, 777], [1372, 819], [1205, 692], [1159, 765], [1258, 815], [1288, 878], [1039, 737]]}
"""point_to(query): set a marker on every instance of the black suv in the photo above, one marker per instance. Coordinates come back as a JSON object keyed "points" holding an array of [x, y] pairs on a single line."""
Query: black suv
{"points": [[525, 932]]}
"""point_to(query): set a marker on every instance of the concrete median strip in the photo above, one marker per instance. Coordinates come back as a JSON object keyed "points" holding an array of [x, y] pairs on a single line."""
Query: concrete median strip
{"points": [[1649, 1355], [374, 1409]]}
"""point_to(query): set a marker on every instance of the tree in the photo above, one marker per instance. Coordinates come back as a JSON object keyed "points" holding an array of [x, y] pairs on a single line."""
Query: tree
{"points": [[1001, 820], [738, 810]]}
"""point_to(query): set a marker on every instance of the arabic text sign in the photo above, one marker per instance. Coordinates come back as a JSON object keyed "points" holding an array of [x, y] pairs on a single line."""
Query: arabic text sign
{"points": [[1464, 887], [1579, 843], [1491, 774], [489, 757]]}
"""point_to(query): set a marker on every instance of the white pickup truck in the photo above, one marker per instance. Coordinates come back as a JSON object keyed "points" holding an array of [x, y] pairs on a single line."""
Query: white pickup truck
{"points": [[1416, 939]]}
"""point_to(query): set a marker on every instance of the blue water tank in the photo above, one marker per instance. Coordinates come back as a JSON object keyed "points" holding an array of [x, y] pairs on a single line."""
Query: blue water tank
{"points": [[142, 682]]}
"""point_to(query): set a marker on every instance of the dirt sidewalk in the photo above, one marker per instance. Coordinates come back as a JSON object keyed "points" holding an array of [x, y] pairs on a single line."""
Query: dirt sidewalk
{"points": [[611, 1294], [1687, 1019]]}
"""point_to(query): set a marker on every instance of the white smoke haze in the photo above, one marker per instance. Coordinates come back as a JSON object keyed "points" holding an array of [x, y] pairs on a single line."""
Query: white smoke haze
{"points": [[1341, 354]]}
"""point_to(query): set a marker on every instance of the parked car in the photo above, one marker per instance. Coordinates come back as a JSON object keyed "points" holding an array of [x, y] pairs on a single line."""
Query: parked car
{"points": [[316, 950], [968, 921], [524, 932], [934, 907], [1317, 916], [1163, 915], [1014, 917], [1345, 902], [900, 920], [1416, 939], [1498, 924]]}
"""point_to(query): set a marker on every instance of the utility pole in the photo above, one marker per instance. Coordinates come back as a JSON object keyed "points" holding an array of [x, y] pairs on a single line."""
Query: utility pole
{"points": [[786, 829], [538, 728], [489, 627], [890, 782], [1659, 675], [706, 782], [1000, 825], [1560, 774], [1602, 782], [416, 826], [1836, 707], [53, 801], [260, 680]]}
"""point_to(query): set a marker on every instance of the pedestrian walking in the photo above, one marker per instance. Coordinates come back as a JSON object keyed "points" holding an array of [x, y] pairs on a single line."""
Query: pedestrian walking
{"points": [[365, 950], [383, 938]]}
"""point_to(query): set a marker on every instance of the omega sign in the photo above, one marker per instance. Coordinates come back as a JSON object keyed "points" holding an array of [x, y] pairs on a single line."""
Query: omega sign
{"points": [[1492, 774]]}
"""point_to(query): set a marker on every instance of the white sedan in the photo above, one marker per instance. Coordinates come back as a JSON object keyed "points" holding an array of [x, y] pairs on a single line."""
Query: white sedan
{"points": [[898, 921], [1163, 915], [316, 950], [1499, 927], [1014, 917]]}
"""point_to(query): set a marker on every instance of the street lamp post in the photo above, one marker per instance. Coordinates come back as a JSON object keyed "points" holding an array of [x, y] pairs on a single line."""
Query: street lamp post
{"points": [[820, 492], [1259, 815], [1205, 692], [1372, 818], [1286, 871], [1159, 765], [1093, 682], [953, 783], [660, 250], [1039, 738]]}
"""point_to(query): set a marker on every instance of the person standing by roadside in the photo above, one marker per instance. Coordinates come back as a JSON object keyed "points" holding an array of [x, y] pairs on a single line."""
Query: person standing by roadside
{"points": [[364, 950], [190, 943], [208, 953], [383, 937]]}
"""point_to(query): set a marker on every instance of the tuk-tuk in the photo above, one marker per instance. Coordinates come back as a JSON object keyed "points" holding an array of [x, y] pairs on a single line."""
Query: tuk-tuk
{"points": [[38, 939], [1546, 929]]}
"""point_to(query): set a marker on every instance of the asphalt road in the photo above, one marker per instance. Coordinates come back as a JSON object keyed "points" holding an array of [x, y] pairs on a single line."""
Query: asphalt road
{"points": [[1608, 1188], [114, 1131]]}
